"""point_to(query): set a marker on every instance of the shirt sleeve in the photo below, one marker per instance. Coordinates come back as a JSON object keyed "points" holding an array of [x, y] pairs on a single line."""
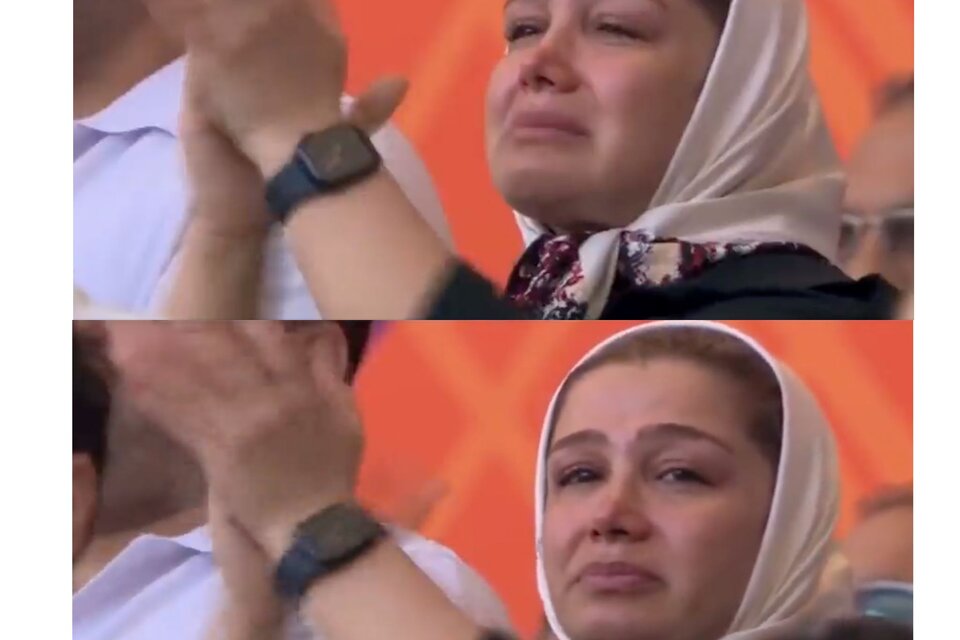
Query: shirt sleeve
{"points": [[462, 585], [467, 295]]}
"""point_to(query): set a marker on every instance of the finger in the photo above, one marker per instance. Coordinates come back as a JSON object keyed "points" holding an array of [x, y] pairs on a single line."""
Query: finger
{"points": [[225, 356], [158, 377], [282, 352], [375, 106]]}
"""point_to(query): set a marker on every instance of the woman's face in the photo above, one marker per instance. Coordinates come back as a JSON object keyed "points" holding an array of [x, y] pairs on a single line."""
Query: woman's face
{"points": [[657, 501], [586, 109]]}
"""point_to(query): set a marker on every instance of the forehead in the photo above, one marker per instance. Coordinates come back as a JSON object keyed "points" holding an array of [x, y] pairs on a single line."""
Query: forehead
{"points": [[619, 398]]}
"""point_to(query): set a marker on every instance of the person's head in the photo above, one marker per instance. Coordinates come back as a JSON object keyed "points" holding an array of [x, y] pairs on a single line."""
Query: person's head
{"points": [[863, 628], [657, 477], [878, 233], [151, 477], [586, 109], [91, 410], [97, 27], [880, 547]]}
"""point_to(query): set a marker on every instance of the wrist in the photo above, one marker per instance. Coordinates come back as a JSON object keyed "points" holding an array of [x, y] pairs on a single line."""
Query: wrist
{"points": [[278, 533], [228, 234], [272, 148]]}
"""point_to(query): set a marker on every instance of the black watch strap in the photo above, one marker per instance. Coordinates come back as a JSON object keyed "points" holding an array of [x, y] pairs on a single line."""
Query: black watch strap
{"points": [[324, 543], [292, 185], [323, 162]]}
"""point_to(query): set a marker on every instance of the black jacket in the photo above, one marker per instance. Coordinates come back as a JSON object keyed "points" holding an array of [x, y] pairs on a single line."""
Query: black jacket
{"points": [[770, 286]]}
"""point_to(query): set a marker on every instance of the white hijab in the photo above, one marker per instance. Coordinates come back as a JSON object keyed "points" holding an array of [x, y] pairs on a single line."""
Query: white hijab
{"points": [[756, 162], [797, 541]]}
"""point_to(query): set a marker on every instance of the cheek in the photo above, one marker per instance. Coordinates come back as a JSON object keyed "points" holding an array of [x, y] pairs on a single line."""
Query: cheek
{"points": [[639, 105], [694, 536], [561, 528], [499, 90]]}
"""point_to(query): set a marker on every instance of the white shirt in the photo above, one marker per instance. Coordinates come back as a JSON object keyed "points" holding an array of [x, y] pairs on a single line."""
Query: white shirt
{"points": [[130, 202], [161, 588]]}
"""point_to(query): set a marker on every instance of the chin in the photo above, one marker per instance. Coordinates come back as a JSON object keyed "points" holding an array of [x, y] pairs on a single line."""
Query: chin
{"points": [[615, 628], [549, 195], [618, 621]]}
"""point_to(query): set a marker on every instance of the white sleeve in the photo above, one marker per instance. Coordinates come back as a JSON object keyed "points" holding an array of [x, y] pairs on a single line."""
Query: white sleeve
{"points": [[464, 586]]}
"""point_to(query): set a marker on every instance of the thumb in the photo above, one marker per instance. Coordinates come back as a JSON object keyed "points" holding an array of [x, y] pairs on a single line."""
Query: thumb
{"points": [[374, 107]]}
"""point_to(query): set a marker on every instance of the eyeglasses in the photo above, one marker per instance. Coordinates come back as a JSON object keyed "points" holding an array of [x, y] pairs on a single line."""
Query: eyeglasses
{"points": [[895, 228], [889, 600]]}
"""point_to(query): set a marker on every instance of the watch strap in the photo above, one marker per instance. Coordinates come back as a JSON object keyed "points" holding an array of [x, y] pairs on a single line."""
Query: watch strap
{"points": [[292, 185], [306, 561]]}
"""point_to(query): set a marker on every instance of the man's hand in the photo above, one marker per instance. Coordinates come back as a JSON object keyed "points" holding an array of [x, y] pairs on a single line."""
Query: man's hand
{"points": [[275, 431], [251, 609], [226, 189], [267, 71]]}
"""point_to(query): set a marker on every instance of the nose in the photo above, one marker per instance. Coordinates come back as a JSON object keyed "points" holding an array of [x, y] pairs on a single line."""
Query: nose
{"points": [[549, 65], [869, 257], [620, 514]]}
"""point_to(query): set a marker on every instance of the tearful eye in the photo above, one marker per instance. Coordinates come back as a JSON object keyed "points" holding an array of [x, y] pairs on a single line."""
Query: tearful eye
{"points": [[680, 475], [578, 475], [521, 31], [618, 30]]}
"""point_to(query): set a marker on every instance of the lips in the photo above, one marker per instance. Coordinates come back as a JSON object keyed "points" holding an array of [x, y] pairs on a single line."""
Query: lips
{"points": [[546, 122], [618, 577]]}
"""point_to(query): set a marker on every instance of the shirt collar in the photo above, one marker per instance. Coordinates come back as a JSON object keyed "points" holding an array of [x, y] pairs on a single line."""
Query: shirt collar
{"points": [[154, 103], [197, 540]]}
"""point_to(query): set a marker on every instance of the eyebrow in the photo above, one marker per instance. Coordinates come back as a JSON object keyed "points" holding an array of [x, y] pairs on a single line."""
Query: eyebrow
{"points": [[507, 4], [662, 431], [660, 3]]}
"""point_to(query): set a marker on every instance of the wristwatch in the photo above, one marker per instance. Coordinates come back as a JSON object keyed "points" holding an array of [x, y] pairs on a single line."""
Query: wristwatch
{"points": [[323, 162], [324, 543]]}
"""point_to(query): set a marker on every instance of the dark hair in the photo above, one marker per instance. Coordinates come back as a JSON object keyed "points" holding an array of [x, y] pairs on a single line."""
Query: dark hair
{"points": [[720, 351], [892, 497], [357, 334], [91, 398], [895, 93]]}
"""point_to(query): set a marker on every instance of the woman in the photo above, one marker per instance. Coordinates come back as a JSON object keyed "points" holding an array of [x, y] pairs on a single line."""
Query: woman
{"points": [[686, 486], [668, 159]]}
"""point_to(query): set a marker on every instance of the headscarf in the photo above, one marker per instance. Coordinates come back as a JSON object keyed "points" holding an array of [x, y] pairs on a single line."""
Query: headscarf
{"points": [[755, 164], [797, 539]]}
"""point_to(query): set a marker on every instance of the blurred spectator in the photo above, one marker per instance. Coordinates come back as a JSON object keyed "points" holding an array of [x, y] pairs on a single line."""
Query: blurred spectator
{"points": [[880, 547], [91, 409], [149, 572], [853, 629], [130, 198], [878, 227]]}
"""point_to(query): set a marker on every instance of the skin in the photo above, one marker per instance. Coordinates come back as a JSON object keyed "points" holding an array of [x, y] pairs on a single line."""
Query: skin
{"points": [[116, 44], [625, 487], [880, 179], [279, 439], [84, 501], [881, 546], [628, 73]]}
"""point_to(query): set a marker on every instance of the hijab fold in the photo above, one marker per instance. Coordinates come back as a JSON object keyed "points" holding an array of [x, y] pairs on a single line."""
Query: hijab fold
{"points": [[756, 163], [797, 540]]}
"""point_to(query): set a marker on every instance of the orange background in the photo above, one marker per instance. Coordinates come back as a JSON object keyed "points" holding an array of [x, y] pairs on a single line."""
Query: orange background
{"points": [[463, 403], [448, 47]]}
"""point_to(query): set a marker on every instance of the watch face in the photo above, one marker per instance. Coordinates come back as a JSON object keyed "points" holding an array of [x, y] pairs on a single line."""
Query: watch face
{"points": [[338, 155], [338, 531]]}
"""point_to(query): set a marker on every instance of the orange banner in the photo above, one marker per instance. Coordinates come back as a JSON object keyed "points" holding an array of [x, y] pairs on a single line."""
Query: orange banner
{"points": [[453, 411]]}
